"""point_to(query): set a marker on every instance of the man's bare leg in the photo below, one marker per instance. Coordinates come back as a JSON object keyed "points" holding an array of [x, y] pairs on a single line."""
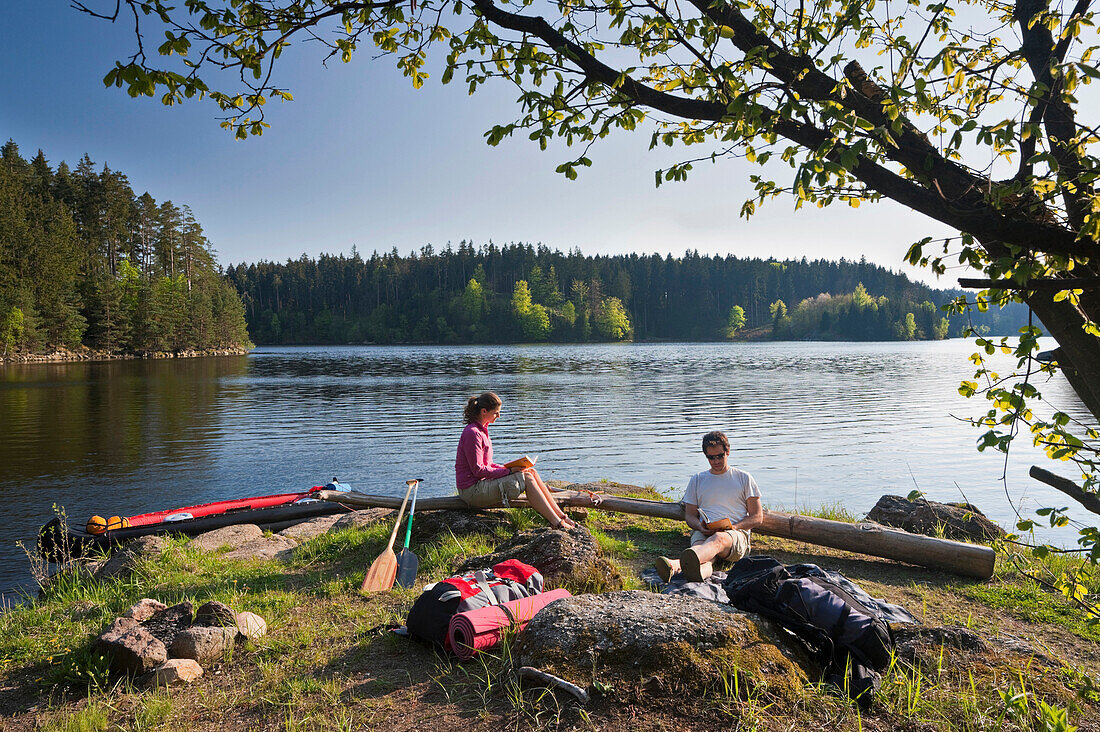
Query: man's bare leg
{"points": [[714, 546]]}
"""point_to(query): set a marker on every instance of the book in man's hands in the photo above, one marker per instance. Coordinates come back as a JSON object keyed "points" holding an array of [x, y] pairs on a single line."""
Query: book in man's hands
{"points": [[523, 462]]}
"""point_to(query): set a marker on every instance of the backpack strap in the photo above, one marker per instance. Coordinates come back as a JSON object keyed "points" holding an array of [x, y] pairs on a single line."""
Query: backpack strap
{"points": [[483, 582]]}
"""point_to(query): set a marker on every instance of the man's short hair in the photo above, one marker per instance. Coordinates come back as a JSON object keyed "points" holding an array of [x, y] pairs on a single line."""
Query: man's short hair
{"points": [[716, 438]]}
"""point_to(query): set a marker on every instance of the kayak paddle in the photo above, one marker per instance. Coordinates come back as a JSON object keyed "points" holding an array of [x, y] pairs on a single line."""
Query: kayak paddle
{"points": [[383, 570], [407, 563]]}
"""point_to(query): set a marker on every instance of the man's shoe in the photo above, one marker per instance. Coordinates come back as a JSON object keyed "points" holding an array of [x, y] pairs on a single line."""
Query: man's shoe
{"points": [[664, 568], [693, 569]]}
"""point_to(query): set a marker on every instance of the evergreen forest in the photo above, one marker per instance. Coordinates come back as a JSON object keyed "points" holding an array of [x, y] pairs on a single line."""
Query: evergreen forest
{"points": [[527, 293], [86, 262]]}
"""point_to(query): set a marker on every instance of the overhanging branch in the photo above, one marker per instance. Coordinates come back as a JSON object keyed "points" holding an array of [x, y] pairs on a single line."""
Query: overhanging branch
{"points": [[1071, 489]]}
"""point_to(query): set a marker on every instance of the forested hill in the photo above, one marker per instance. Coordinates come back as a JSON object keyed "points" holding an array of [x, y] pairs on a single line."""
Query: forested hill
{"points": [[524, 293], [85, 262]]}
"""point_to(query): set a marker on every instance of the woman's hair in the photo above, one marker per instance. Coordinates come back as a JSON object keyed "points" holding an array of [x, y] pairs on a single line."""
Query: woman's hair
{"points": [[475, 404], [716, 438]]}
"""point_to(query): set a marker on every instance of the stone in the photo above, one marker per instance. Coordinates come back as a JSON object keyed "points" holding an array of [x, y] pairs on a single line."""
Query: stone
{"points": [[265, 547], [130, 648], [173, 672], [932, 648], [920, 645], [251, 625], [227, 536], [960, 521], [120, 565], [564, 557], [430, 524], [664, 643], [168, 623], [309, 529], [120, 625], [149, 544], [144, 609], [365, 517], [215, 614], [203, 644]]}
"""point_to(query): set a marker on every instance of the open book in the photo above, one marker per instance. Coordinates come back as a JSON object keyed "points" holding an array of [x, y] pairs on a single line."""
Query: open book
{"points": [[722, 524], [523, 462]]}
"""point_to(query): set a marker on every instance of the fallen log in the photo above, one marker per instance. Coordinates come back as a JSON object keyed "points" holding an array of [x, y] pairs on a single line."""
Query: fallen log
{"points": [[968, 560]]}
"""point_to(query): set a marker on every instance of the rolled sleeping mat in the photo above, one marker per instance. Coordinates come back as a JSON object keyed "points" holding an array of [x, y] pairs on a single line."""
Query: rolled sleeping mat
{"points": [[476, 630]]}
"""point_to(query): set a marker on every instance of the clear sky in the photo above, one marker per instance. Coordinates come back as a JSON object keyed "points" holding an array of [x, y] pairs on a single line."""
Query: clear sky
{"points": [[361, 158]]}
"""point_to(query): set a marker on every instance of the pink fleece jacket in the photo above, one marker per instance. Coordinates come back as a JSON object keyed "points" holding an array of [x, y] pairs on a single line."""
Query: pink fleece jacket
{"points": [[474, 461]]}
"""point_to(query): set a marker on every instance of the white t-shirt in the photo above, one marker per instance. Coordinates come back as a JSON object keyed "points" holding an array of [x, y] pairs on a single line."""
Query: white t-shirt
{"points": [[722, 496]]}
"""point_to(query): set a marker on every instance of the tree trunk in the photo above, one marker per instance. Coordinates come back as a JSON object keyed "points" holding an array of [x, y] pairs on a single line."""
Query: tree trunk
{"points": [[1079, 352], [968, 560]]}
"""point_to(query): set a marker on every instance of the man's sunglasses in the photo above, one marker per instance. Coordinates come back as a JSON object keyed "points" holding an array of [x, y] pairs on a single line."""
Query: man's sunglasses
{"points": [[719, 456]]}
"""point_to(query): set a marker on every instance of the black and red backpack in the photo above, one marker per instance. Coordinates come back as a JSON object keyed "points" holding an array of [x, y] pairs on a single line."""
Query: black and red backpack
{"points": [[431, 613]]}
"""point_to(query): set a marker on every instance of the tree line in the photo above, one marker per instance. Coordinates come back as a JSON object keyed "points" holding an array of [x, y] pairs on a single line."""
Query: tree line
{"points": [[527, 293], [86, 262]]}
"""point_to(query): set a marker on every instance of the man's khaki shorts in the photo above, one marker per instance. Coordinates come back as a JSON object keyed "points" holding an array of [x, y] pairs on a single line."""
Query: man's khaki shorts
{"points": [[493, 491], [739, 537]]}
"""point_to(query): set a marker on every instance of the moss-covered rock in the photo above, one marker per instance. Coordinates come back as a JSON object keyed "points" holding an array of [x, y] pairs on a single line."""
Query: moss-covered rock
{"points": [[665, 643]]}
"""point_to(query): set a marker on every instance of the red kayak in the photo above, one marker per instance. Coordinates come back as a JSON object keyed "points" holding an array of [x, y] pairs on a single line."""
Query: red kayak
{"points": [[208, 509], [57, 542]]}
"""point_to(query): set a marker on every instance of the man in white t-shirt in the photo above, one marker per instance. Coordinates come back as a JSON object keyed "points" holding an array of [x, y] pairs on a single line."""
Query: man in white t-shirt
{"points": [[713, 495]]}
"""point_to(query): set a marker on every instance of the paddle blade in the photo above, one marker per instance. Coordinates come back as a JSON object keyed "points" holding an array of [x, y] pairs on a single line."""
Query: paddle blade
{"points": [[381, 574], [407, 566]]}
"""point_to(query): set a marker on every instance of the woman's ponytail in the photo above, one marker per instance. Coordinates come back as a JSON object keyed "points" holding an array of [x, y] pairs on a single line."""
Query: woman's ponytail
{"points": [[475, 404]]}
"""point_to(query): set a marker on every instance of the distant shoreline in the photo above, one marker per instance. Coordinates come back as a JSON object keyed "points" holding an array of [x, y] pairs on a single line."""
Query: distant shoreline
{"points": [[65, 355]]}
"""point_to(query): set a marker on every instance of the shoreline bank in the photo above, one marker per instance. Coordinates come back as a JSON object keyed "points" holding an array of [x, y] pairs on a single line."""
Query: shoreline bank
{"points": [[65, 355], [322, 628]]}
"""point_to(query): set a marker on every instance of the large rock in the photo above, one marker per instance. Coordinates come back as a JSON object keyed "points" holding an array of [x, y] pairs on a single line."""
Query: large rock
{"points": [[215, 614], [168, 623], [131, 648], [565, 558], [227, 536], [203, 644], [122, 563], [669, 644], [309, 529], [363, 518], [265, 547], [144, 609], [961, 521], [431, 524], [173, 672]]}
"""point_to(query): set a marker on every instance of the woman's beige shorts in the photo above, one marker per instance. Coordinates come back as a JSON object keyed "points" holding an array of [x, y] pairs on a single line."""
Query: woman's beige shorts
{"points": [[494, 491]]}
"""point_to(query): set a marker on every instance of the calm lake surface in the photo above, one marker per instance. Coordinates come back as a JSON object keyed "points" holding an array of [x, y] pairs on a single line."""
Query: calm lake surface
{"points": [[816, 423]]}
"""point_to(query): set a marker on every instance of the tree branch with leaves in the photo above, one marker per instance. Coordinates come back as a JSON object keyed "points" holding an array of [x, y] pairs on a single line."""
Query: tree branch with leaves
{"points": [[970, 113]]}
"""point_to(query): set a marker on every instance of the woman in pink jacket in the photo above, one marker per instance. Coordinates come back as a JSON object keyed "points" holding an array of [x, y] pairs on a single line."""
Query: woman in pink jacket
{"points": [[481, 482]]}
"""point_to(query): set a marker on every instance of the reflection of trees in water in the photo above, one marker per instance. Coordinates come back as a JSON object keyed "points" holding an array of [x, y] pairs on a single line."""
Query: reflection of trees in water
{"points": [[107, 418]]}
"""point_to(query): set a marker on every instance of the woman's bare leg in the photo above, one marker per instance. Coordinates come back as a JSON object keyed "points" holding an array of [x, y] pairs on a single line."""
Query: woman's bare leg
{"points": [[539, 495]]}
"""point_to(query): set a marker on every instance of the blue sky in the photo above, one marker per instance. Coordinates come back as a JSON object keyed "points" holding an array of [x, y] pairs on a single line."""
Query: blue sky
{"points": [[360, 158]]}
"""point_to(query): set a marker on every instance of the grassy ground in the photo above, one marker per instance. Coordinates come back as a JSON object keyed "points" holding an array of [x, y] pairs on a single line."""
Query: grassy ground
{"points": [[329, 662]]}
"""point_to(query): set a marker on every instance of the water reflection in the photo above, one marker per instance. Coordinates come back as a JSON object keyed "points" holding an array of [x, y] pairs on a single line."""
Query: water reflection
{"points": [[816, 423]]}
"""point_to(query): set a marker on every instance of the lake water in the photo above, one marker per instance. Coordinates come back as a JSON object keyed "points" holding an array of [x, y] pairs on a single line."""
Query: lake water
{"points": [[816, 423]]}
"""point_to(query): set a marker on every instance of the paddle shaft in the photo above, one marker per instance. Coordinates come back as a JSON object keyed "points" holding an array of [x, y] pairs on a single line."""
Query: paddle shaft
{"points": [[400, 512], [412, 510]]}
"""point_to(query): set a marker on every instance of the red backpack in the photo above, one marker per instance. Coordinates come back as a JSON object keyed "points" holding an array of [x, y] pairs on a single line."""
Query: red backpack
{"points": [[431, 613]]}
